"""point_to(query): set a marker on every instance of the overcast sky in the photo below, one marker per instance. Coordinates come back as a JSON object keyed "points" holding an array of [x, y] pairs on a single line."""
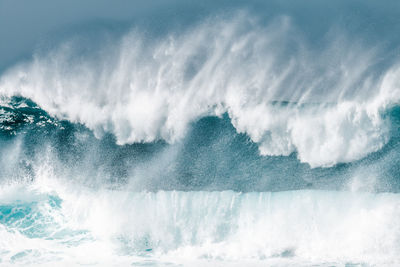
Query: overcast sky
{"points": [[25, 23]]}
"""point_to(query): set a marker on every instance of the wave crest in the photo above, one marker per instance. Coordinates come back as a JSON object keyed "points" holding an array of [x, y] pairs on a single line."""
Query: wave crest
{"points": [[144, 89]]}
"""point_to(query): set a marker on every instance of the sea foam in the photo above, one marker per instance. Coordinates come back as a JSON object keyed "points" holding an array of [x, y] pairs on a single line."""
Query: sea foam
{"points": [[145, 89]]}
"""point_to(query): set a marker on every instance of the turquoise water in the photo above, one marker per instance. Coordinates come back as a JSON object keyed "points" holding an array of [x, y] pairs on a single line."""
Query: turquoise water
{"points": [[204, 228], [230, 133]]}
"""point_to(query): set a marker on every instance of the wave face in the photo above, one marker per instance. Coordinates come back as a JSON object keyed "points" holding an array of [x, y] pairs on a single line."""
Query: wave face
{"points": [[146, 90], [205, 135]]}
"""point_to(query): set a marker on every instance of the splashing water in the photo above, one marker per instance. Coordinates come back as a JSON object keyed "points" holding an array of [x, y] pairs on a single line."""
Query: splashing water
{"points": [[236, 137]]}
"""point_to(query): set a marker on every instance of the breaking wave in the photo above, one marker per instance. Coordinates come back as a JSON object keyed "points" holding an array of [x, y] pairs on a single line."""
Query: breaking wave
{"points": [[203, 228], [142, 89], [234, 140]]}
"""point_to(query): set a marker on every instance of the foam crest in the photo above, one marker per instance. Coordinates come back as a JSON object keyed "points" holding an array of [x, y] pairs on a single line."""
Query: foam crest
{"points": [[309, 225], [313, 227], [143, 89]]}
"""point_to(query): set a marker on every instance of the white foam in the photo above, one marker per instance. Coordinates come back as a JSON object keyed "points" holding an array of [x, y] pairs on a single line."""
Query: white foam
{"points": [[142, 89], [120, 227]]}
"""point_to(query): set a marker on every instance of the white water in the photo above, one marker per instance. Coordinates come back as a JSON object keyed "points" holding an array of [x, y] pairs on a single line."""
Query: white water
{"points": [[142, 89], [114, 228]]}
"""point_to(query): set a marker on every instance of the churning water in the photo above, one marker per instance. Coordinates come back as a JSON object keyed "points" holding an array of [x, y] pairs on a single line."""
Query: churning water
{"points": [[213, 134]]}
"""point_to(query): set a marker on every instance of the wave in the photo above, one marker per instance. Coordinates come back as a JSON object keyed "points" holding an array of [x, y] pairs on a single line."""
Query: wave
{"points": [[211, 156], [316, 227], [144, 89], [259, 134]]}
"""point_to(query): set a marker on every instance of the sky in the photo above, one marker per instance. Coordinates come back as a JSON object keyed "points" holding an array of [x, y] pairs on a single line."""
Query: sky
{"points": [[26, 25]]}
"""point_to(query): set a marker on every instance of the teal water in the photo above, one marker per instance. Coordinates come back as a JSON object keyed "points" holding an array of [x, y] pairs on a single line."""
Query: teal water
{"points": [[205, 228], [225, 133]]}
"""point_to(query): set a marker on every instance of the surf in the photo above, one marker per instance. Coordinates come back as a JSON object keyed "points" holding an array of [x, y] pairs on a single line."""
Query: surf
{"points": [[258, 134], [306, 226]]}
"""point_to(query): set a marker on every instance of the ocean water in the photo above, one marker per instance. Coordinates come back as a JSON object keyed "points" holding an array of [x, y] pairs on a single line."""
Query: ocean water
{"points": [[180, 133]]}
